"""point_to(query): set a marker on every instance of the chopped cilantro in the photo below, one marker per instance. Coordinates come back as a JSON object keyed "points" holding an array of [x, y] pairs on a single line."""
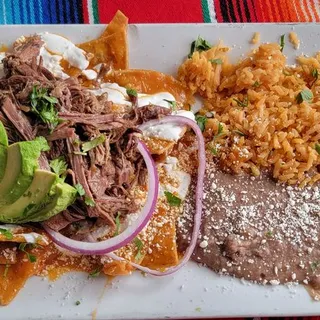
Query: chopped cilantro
{"points": [[96, 272], [198, 309], [315, 73], [6, 269], [172, 199], [139, 245], [315, 265], [256, 84], [243, 103], [89, 201], [214, 151], [317, 147], [172, 103], [43, 106], [220, 128], [199, 45], [240, 133], [118, 225], [286, 73], [216, 61], [31, 257], [78, 303], [80, 189], [201, 121], [86, 146], [131, 92], [79, 153], [282, 43], [269, 234], [59, 166], [7, 233], [304, 95]]}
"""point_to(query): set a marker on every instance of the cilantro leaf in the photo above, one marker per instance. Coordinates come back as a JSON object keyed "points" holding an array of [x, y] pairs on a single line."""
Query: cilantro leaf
{"points": [[78, 303], [43, 106], [172, 199], [201, 121], [199, 45], [86, 146], [256, 84], [282, 42], [220, 128], [314, 265], [216, 61], [80, 189], [96, 272], [139, 245], [243, 103], [214, 151], [269, 234], [317, 147], [315, 73], [304, 95], [89, 201], [59, 166], [32, 258], [172, 103], [118, 225], [131, 92], [7, 233], [240, 133]]}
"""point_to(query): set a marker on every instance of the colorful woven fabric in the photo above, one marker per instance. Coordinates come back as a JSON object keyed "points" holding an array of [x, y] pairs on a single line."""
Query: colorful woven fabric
{"points": [[164, 11]]}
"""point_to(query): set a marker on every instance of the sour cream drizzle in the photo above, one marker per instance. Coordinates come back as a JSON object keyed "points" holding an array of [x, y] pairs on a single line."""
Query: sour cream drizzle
{"points": [[118, 95]]}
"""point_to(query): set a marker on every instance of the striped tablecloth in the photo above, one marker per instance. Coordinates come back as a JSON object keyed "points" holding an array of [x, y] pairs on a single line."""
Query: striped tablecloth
{"points": [[163, 11], [101, 11]]}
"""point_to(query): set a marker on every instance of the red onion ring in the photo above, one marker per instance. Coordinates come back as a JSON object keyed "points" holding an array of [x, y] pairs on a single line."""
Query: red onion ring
{"points": [[119, 241], [199, 195]]}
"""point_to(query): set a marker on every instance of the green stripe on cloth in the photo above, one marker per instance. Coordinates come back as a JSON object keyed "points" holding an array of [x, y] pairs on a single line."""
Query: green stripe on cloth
{"points": [[95, 11], [205, 11]]}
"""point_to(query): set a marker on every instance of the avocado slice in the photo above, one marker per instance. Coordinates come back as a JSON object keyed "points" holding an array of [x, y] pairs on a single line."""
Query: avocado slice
{"points": [[3, 150], [41, 184], [64, 196], [22, 161], [3, 135]]}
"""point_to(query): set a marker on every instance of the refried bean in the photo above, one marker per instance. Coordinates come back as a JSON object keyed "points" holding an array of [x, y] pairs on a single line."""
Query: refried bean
{"points": [[256, 229]]}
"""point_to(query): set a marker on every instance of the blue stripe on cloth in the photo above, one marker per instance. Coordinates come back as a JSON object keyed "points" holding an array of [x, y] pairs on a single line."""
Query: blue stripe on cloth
{"points": [[16, 11], [40, 11]]}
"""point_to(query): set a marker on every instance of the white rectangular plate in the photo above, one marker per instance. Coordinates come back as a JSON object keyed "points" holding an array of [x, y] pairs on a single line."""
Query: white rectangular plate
{"points": [[194, 292]]}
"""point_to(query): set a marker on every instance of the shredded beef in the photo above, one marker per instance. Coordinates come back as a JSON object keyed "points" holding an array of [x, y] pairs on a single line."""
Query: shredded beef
{"points": [[150, 112]]}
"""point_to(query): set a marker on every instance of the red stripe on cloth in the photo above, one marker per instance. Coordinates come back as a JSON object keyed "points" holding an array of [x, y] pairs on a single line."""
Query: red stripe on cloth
{"points": [[85, 11], [243, 13], [236, 11], [218, 11], [145, 11], [253, 13]]}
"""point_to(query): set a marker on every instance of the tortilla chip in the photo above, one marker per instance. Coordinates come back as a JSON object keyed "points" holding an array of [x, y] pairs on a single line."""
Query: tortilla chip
{"points": [[150, 81], [119, 23], [111, 50]]}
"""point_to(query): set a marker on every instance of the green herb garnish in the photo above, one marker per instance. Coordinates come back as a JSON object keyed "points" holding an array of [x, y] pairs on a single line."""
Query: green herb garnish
{"points": [[199, 45], [22, 247], [243, 103], [118, 225], [315, 73], [269, 234], [96, 272], [315, 265], [214, 151], [240, 133], [139, 245], [220, 128], [5, 273], [7, 233], [282, 43], [44, 107], [286, 73], [317, 147], [80, 189], [172, 199], [256, 84], [78, 303], [89, 201], [216, 61], [198, 309], [59, 166], [86, 146], [201, 121], [173, 104], [304, 95], [79, 153], [131, 92]]}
